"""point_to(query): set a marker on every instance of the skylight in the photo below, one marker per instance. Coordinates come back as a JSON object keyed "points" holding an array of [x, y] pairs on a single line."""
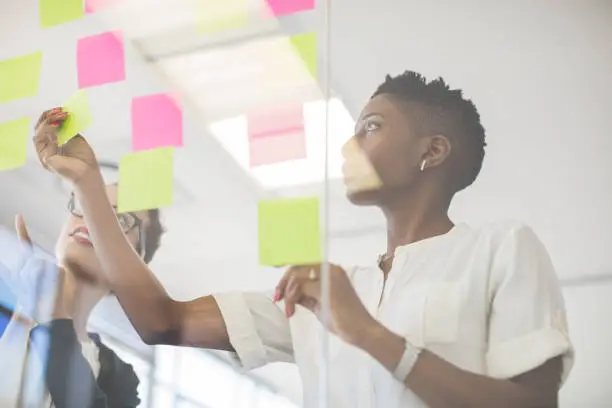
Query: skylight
{"points": [[232, 134]]}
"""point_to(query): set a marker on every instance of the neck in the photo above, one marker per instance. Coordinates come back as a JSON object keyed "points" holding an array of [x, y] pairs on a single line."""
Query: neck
{"points": [[413, 217], [76, 300]]}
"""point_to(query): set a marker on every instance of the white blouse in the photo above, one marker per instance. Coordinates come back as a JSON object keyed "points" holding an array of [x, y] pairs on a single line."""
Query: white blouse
{"points": [[485, 299]]}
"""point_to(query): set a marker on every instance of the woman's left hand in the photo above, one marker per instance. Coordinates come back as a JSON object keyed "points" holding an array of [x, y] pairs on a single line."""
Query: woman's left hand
{"points": [[301, 285]]}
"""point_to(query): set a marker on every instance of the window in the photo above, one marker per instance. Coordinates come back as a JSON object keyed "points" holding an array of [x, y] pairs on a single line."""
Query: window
{"points": [[180, 377]]}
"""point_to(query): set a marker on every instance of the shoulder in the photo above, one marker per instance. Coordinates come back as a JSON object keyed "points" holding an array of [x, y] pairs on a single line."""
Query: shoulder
{"points": [[517, 254], [503, 229], [117, 378], [506, 235]]}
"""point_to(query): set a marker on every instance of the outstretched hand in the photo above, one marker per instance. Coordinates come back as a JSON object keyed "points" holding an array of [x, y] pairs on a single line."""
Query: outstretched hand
{"points": [[301, 285], [71, 160], [53, 286]]}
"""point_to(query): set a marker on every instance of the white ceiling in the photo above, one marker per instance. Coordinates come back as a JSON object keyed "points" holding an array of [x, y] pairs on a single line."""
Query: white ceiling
{"points": [[538, 71]]}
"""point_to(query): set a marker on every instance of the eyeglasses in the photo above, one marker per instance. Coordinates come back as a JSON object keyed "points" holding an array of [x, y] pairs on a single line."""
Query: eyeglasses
{"points": [[128, 221]]}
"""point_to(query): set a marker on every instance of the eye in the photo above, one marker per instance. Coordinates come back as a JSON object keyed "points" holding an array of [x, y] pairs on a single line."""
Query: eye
{"points": [[371, 127]]}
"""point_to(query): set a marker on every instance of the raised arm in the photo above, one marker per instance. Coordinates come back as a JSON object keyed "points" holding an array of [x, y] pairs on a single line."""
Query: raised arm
{"points": [[157, 318]]}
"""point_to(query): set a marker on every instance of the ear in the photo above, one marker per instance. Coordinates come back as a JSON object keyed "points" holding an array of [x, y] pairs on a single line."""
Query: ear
{"points": [[438, 150]]}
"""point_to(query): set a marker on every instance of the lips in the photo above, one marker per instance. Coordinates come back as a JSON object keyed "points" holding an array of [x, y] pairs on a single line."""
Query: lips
{"points": [[81, 236]]}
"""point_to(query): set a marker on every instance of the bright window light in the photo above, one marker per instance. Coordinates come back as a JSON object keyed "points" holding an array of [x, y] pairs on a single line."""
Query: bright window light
{"points": [[232, 135]]}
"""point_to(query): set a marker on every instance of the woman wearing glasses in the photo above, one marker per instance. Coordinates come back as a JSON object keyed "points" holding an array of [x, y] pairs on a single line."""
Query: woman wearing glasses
{"points": [[81, 371], [450, 316]]}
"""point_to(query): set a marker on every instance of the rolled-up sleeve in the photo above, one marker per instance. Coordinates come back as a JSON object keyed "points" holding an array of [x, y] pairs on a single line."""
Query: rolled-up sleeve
{"points": [[258, 329], [527, 321]]}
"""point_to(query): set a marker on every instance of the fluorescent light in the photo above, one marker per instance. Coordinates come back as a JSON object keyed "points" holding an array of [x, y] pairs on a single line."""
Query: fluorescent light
{"points": [[227, 82]]}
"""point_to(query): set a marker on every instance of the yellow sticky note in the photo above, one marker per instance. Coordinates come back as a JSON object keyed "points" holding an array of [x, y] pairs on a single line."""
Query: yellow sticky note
{"points": [[13, 143], [56, 12], [289, 232], [79, 118], [145, 180], [19, 77], [306, 47], [215, 15]]}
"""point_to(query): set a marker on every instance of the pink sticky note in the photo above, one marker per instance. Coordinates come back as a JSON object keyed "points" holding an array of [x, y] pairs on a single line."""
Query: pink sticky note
{"points": [[283, 7], [100, 59], [91, 6], [277, 149], [275, 121], [157, 121]]}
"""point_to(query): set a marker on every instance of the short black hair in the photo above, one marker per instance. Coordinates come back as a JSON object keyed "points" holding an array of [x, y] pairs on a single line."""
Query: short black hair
{"points": [[444, 111]]}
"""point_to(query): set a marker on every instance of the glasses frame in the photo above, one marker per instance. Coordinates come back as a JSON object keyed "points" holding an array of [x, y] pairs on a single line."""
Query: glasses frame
{"points": [[137, 222]]}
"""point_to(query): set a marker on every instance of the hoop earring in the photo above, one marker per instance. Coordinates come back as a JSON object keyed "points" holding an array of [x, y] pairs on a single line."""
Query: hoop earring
{"points": [[423, 164]]}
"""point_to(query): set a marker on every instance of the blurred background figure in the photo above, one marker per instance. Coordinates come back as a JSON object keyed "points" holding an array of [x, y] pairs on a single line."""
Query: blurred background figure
{"points": [[264, 94], [54, 303]]}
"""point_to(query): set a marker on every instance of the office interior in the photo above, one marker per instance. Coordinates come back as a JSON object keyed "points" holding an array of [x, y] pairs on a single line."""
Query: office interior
{"points": [[539, 73]]}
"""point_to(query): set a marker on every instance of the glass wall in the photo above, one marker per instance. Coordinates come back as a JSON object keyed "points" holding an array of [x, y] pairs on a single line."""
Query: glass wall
{"points": [[190, 378], [243, 122]]}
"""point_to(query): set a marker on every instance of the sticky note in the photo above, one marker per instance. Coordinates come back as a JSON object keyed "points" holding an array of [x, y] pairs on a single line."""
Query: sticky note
{"points": [[92, 6], [100, 59], [275, 121], [13, 143], [79, 118], [306, 47], [145, 180], [359, 173], [277, 149], [157, 121], [56, 12], [284, 7], [289, 232], [20, 77], [215, 15]]}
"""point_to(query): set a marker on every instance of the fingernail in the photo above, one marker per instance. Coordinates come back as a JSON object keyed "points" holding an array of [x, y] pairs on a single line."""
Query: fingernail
{"points": [[276, 296], [56, 123]]}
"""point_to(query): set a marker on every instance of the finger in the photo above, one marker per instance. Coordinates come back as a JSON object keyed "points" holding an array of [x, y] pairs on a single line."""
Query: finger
{"points": [[55, 118], [45, 142], [279, 292], [293, 295], [44, 115], [282, 284], [311, 289], [51, 117], [22, 231]]}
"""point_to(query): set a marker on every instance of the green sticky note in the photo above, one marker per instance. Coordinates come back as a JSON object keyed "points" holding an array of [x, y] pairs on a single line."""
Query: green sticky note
{"points": [[306, 47], [13, 143], [19, 77], [289, 232], [79, 117], [56, 12], [145, 180]]}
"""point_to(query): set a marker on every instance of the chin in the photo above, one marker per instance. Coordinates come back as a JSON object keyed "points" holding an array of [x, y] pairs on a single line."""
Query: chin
{"points": [[81, 261]]}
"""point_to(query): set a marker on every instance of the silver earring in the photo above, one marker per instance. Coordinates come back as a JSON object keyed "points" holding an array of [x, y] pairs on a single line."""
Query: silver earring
{"points": [[423, 164]]}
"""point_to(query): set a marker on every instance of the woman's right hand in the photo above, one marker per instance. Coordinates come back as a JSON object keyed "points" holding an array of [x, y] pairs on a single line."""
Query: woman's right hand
{"points": [[72, 160]]}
